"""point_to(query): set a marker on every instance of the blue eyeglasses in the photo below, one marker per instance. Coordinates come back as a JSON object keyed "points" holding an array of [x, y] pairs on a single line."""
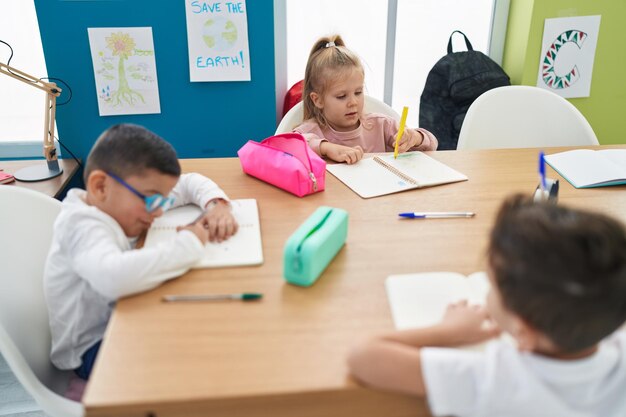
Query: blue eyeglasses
{"points": [[153, 202]]}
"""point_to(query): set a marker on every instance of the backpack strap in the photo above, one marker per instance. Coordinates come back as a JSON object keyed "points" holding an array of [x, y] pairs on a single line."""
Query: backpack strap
{"points": [[467, 42]]}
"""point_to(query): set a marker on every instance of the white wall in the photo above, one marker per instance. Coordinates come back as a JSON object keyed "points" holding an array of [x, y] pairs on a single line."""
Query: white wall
{"points": [[21, 106], [361, 24]]}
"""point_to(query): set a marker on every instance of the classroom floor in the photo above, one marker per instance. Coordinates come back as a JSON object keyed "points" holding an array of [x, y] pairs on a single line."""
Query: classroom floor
{"points": [[14, 400]]}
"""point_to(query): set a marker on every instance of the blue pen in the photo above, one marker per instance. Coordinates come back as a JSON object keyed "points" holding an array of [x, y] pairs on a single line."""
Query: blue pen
{"points": [[437, 215], [542, 171]]}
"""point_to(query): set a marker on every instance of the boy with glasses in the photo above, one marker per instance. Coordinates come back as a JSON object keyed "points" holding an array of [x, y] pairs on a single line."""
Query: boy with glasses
{"points": [[131, 177]]}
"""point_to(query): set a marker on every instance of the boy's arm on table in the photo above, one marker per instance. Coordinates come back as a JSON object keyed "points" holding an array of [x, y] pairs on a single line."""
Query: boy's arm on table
{"points": [[218, 219], [194, 188], [392, 361], [116, 273], [197, 189]]}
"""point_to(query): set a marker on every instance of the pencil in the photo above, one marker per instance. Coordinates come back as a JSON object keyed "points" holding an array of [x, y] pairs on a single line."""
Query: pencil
{"points": [[405, 111]]}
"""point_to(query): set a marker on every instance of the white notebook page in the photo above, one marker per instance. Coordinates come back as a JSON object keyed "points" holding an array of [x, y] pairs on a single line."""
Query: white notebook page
{"points": [[243, 248], [369, 178], [585, 167], [421, 299]]}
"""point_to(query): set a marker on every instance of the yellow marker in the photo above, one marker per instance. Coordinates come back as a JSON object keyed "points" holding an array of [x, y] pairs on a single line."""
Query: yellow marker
{"points": [[405, 111]]}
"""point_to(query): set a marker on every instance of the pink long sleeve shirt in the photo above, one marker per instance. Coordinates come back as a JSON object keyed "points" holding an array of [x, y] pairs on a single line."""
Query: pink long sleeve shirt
{"points": [[376, 133]]}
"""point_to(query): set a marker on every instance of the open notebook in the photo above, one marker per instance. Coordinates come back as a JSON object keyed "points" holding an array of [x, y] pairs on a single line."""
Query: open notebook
{"points": [[585, 168], [382, 174], [244, 248], [420, 299]]}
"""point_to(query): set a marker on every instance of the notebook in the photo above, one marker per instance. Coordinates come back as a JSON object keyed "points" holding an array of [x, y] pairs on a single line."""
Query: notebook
{"points": [[421, 299], [243, 248], [382, 174], [585, 168]]}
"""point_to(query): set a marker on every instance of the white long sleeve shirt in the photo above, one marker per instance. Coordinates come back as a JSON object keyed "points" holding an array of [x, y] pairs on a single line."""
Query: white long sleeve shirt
{"points": [[92, 263]]}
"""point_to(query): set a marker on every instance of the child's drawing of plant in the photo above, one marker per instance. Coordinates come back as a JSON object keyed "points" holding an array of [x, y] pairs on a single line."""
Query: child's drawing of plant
{"points": [[122, 46], [125, 70]]}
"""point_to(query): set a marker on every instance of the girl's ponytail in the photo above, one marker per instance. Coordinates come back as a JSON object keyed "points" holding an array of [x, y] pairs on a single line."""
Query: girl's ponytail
{"points": [[326, 42]]}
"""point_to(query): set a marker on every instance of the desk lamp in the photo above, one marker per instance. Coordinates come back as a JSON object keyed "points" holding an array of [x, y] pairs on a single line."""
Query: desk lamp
{"points": [[40, 172]]}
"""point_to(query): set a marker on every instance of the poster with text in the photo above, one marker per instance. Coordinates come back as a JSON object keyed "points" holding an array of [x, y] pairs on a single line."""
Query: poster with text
{"points": [[217, 37], [125, 70], [567, 54]]}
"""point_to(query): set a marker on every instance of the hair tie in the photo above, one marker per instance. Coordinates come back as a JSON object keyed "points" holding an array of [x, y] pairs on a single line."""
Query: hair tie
{"points": [[329, 44]]}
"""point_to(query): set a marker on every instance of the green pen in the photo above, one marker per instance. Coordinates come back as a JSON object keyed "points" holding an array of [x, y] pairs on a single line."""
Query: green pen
{"points": [[246, 296]]}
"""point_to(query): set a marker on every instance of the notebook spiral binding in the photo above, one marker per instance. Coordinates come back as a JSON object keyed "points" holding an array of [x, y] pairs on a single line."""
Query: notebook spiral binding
{"points": [[395, 171]]}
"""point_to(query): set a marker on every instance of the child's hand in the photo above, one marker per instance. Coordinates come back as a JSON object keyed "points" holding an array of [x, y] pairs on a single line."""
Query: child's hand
{"points": [[340, 153], [198, 229], [220, 222], [468, 324], [410, 139]]}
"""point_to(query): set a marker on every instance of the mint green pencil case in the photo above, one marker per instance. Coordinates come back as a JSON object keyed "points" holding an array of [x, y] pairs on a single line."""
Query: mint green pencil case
{"points": [[314, 244]]}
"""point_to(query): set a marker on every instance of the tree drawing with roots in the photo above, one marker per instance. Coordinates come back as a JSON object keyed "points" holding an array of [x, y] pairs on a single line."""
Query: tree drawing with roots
{"points": [[123, 46]]}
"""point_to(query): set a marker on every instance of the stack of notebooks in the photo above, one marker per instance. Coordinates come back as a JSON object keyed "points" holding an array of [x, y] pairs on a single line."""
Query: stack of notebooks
{"points": [[382, 174]]}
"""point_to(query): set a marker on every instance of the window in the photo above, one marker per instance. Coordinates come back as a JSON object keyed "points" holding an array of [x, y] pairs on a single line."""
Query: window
{"points": [[21, 106], [422, 29], [361, 24]]}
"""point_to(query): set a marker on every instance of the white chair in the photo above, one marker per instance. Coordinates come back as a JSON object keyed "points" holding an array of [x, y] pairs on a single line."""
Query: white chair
{"points": [[26, 219], [295, 115], [523, 117]]}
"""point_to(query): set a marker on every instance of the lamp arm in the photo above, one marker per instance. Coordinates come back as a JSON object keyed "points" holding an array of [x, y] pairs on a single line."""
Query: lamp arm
{"points": [[52, 92], [50, 88], [49, 150]]}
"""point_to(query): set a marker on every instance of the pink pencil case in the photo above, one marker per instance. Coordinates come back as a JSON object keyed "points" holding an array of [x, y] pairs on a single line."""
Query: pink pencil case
{"points": [[286, 161]]}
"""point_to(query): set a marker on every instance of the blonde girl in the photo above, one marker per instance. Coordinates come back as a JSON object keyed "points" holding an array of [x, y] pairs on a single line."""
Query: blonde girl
{"points": [[333, 98]]}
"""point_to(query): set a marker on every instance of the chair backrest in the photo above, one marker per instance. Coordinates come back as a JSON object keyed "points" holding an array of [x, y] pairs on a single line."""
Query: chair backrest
{"points": [[26, 220], [293, 96], [523, 117], [294, 117]]}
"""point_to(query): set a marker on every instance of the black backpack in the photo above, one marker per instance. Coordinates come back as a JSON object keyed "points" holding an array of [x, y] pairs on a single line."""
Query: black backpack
{"points": [[452, 85]]}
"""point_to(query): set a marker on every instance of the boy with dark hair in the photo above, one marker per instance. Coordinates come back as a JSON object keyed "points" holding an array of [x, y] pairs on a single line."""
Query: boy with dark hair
{"points": [[132, 176], [558, 287], [128, 149]]}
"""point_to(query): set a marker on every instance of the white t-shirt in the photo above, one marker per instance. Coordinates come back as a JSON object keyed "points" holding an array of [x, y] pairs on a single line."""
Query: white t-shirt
{"points": [[92, 263], [504, 382]]}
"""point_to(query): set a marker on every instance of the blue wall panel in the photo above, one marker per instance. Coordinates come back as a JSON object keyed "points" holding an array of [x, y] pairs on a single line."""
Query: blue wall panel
{"points": [[201, 119]]}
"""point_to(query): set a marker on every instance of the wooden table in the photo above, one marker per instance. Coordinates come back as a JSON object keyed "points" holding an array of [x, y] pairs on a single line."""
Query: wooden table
{"points": [[54, 186], [286, 355]]}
